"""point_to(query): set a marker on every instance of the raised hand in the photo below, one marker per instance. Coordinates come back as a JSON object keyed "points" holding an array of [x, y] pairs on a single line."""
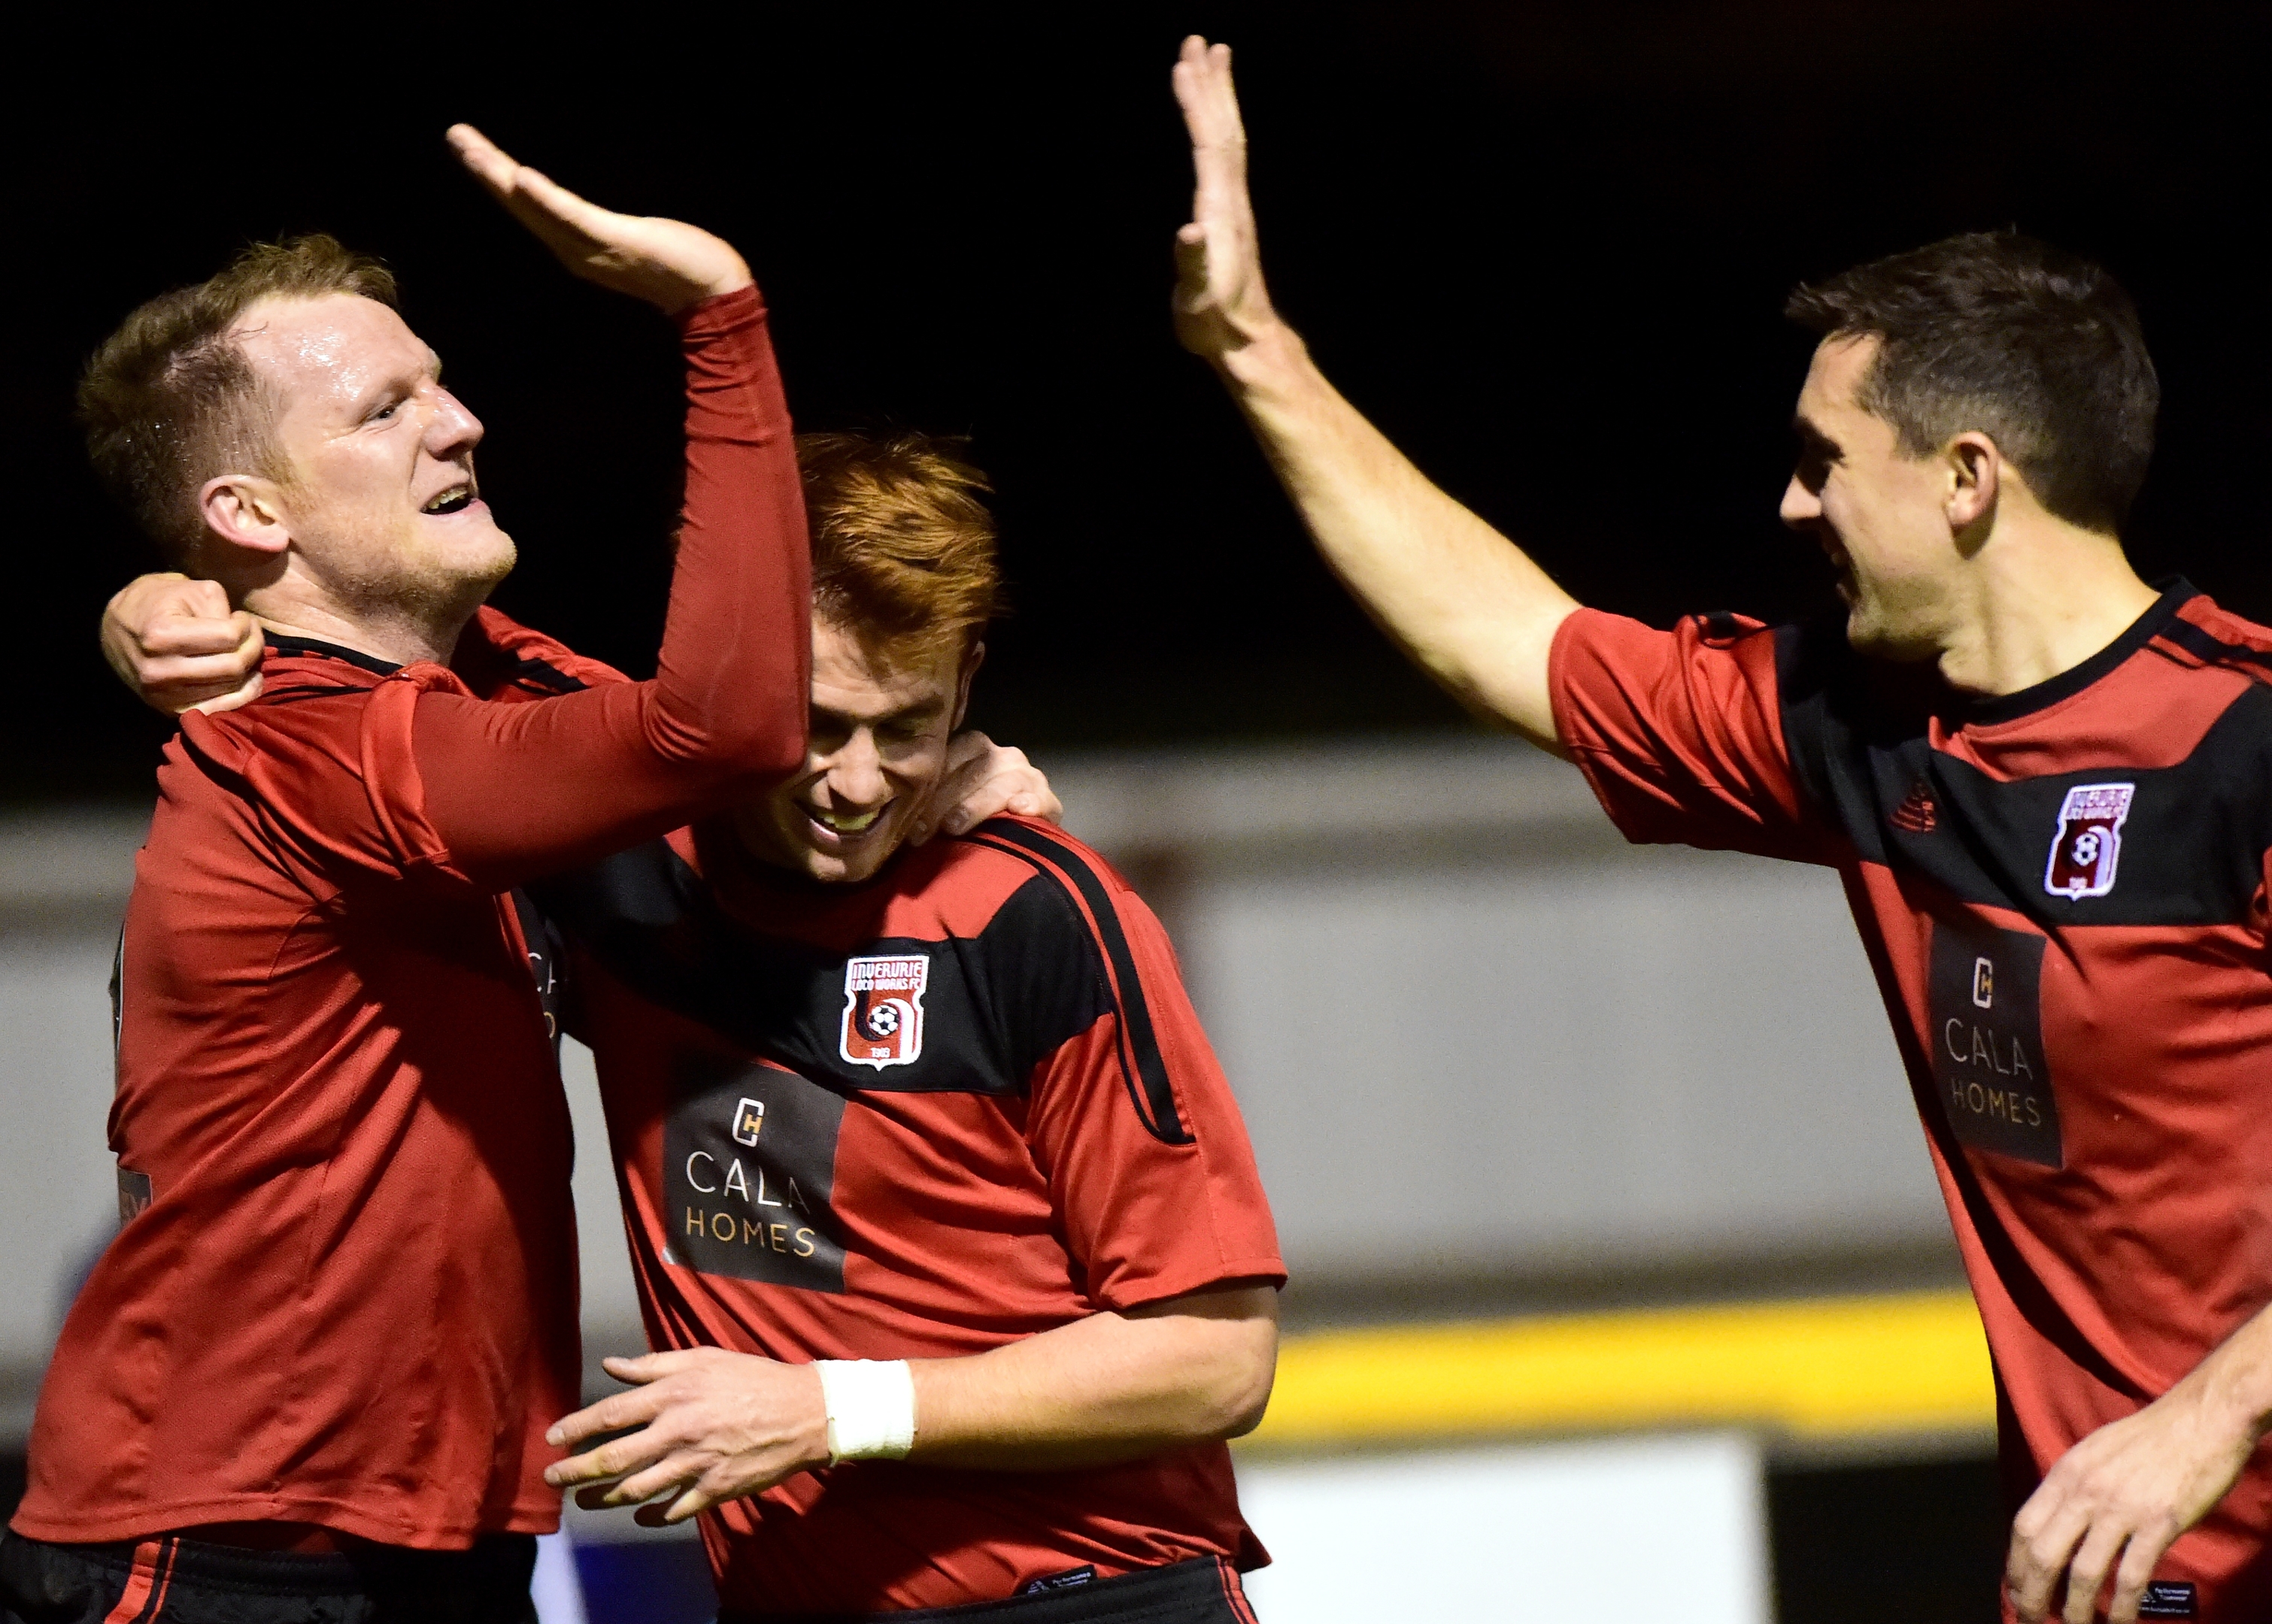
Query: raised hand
{"points": [[667, 263], [178, 645], [1221, 303]]}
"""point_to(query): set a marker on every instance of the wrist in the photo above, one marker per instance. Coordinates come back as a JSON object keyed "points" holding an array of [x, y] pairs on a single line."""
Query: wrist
{"points": [[871, 1406], [1269, 359]]}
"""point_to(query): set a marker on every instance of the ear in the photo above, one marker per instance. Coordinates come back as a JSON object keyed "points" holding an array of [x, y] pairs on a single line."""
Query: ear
{"points": [[246, 510], [1975, 480], [971, 661]]}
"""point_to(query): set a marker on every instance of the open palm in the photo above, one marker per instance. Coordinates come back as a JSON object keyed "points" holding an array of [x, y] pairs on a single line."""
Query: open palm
{"points": [[1221, 303], [667, 263]]}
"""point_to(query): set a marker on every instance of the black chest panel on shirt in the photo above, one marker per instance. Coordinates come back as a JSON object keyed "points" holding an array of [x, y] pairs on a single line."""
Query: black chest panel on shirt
{"points": [[901, 1015], [1988, 1065], [749, 1168], [2103, 844]]}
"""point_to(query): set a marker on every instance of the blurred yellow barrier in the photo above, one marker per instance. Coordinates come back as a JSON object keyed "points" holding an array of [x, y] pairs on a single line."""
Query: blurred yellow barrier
{"points": [[1818, 1368]]}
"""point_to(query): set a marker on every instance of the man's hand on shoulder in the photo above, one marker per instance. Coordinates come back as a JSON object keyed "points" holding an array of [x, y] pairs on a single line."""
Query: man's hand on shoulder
{"points": [[2116, 1501], [178, 646], [712, 1426], [667, 263], [984, 779], [1220, 304]]}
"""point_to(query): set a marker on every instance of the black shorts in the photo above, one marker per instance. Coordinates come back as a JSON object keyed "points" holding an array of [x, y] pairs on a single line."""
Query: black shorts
{"points": [[169, 1581], [1205, 1590]]}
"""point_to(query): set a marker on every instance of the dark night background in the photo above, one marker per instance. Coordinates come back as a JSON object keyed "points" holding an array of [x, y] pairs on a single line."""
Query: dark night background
{"points": [[1543, 246]]}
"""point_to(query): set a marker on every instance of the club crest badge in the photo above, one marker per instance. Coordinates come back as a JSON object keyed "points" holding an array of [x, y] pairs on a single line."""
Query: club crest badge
{"points": [[2089, 842], [883, 1010]]}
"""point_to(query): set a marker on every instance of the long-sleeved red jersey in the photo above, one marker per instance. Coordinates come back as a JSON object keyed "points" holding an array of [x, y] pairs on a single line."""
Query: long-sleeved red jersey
{"points": [[2064, 895], [346, 1291]]}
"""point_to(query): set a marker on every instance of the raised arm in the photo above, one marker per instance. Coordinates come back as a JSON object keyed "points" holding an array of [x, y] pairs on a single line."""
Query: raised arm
{"points": [[500, 792], [1463, 601]]}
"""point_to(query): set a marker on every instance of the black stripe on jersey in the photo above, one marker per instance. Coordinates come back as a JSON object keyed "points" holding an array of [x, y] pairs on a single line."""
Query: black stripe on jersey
{"points": [[2214, 651], [546, 677], [1155, 1105], [996, 1005], [311, 647], [2192, 842]]}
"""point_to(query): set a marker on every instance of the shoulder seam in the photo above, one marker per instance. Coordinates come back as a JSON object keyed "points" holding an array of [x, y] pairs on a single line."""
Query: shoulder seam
{"points": [[1150, 1090]]}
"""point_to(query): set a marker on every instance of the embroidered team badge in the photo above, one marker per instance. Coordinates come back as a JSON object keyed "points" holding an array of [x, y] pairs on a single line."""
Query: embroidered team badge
{"points": [[2089, 840], [883, 1010]]}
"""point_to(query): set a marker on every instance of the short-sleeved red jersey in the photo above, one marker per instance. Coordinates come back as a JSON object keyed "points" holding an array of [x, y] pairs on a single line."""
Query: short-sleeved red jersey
{"points": [[344, 1289], [2063, 895], [922, 1117]]}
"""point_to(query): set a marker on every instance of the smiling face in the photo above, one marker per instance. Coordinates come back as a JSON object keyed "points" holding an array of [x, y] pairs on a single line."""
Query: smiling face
{"points": [[1881, 516], [381, 503], [876, 752]]}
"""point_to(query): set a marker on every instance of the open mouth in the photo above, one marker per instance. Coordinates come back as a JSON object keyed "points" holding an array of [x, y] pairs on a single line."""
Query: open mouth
{"points": [[457, 499], [845, 825]]}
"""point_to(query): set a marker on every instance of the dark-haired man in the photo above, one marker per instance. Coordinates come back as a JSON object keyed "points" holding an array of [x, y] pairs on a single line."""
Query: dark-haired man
{"points": [[312, 1375], [923, 1153], [2047, 787]]}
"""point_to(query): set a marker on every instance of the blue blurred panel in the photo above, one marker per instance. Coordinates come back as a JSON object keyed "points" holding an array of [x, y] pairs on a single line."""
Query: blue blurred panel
{"points": [[647, 1581]]}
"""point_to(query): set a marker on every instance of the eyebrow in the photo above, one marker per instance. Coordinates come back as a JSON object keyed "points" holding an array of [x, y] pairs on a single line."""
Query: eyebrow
{"points": [[921, 710], [1811, 435]]}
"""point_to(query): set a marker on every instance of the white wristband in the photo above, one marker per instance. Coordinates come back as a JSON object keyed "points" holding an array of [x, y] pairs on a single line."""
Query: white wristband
{"points": [[871, 1408]]}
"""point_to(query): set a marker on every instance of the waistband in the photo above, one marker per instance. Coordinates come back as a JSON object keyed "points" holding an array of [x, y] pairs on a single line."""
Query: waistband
{"points": [[1166, 1592], [498, 1563]]}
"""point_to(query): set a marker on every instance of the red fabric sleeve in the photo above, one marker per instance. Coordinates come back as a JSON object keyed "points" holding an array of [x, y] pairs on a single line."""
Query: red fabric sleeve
{"points": [[1159, 1196], [497, 794], [1680, 733]]}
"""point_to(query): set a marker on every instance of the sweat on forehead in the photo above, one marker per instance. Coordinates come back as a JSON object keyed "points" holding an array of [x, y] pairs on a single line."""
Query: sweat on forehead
{"points": [[168, 398]]}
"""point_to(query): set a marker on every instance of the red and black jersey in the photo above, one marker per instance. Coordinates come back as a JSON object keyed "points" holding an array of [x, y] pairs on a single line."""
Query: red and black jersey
{"points": [[2063, 894], [344, 1292], [922, 1117]]}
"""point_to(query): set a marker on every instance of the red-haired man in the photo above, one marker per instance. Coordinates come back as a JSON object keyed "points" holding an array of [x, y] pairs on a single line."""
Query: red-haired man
{"points": [[936, 1197]]}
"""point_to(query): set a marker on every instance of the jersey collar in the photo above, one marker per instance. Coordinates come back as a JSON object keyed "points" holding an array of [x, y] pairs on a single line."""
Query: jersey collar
{"points": [[2175, 592]]}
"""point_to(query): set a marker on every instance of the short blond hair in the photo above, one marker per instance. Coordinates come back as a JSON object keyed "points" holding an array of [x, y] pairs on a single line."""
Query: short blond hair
{"points": [[169, 400]]}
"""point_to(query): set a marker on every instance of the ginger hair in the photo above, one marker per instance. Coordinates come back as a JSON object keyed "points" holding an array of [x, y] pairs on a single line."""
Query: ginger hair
{"points": [[903, 553]]}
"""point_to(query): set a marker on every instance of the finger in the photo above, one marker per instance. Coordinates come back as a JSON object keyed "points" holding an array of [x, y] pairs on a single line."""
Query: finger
{"points": [[2036, 1560], [2139, 1560], [216, 674], [646, 1367], [565, 223], [695, 1499], [2086, 1574], [681, 1469], [634, 1451], [489, 163], [611, 1414], [197, 634], [244, 695]]}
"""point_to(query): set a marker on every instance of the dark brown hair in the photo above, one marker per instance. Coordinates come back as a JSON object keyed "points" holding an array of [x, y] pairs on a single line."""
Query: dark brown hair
{"points": [[2036, 348], [169, 400], [902, 543]]}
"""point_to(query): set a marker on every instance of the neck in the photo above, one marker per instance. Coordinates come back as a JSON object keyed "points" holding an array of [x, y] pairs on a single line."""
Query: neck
{"points": [[400, 633], [2039, 600]]}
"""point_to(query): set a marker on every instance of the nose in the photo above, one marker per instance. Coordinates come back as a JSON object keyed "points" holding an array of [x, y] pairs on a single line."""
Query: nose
{"points": [[451, 430], [855, 774], [1801, 506]]}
